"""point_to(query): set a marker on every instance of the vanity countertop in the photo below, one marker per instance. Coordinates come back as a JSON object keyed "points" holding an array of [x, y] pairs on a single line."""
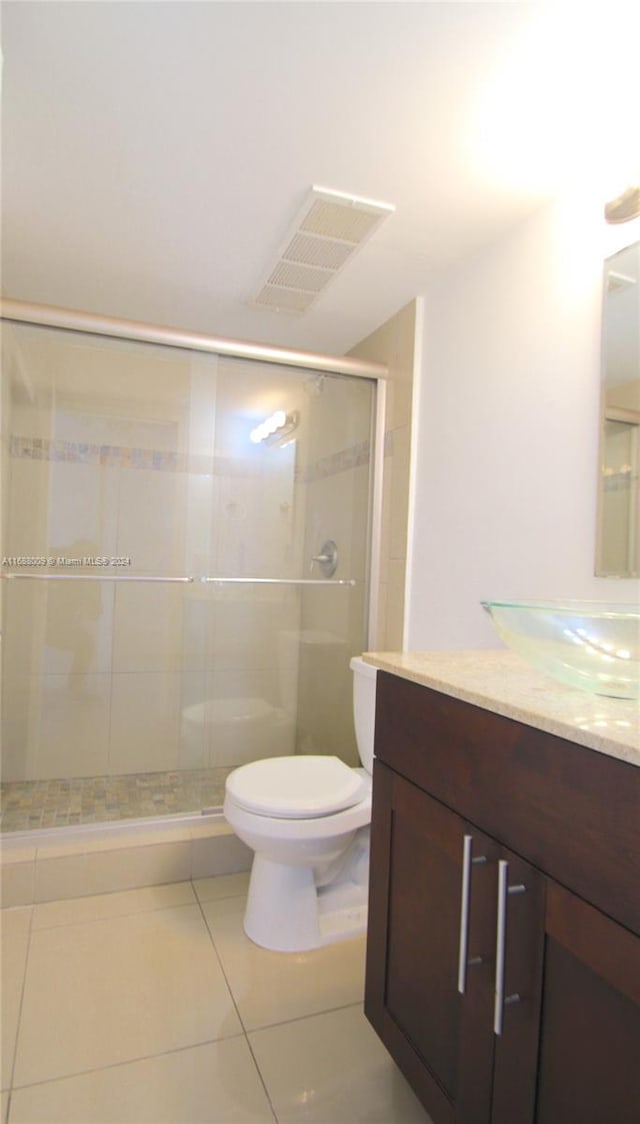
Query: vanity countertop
{"points": [[503, 682]]}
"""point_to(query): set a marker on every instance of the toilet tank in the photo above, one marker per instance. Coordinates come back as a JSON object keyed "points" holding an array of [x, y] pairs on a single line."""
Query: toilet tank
{"points": [[364, 708]]}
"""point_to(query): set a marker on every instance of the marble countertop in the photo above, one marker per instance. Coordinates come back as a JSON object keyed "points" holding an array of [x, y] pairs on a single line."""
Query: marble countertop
{"points": [[502, 682]]}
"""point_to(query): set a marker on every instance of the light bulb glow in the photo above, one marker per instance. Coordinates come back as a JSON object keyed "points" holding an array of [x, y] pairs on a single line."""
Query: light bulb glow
{"points": [[277, 421]]}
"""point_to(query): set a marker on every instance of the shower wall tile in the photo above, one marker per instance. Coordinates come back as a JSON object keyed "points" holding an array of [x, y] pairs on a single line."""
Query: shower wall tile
{"points": [[25, 606], [55, 726], [252, 529], [72, 735], [61, 508], [359, 542], [244, 719], [82, 510], [27, 522], [243, 626], [145, 722], [32, 420], [147, 628], [385, 531], [194, 721], [78, 627], [196, 600], [238, 743], [237, 683], [58, 627], [18, 714], [151, 521], [201, 503]]}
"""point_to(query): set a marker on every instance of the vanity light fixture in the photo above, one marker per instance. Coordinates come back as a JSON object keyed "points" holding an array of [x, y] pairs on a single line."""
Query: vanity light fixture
{"points": [[274, 428], [625, 207]]}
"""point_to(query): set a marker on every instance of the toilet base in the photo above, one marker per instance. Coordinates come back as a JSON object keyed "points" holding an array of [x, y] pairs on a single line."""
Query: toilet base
{"points": [[286, 912]]}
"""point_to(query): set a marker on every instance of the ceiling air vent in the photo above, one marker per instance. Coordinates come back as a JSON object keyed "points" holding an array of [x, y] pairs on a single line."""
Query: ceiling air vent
{"points": [[328, 231]]}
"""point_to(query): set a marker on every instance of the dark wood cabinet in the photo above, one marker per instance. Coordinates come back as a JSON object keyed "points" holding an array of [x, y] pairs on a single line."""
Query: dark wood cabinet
{"points": [[490, 842]]}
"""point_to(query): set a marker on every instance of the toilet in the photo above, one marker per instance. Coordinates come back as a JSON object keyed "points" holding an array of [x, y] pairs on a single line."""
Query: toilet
{"points": [[307, 820]]}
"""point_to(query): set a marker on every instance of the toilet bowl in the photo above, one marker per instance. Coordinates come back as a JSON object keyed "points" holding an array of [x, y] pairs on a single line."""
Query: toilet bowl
{"points": [[307, 820]]}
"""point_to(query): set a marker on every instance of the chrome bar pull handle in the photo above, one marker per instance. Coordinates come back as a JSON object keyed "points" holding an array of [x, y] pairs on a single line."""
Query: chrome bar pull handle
{"points": [[463, 952], [504, 891]]}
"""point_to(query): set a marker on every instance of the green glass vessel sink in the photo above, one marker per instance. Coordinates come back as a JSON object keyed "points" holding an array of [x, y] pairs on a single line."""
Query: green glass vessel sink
{"points": [[590, 644]]}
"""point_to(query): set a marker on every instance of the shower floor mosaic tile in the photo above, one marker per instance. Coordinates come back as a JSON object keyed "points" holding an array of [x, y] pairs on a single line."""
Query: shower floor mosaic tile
{"points": [[29, 805]]}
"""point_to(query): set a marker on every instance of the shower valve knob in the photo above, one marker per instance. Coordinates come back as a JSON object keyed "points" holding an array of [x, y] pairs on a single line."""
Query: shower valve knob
{"points": [[327, 559]]}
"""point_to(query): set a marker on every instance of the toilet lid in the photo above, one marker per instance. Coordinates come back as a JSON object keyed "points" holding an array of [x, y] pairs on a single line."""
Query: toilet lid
{"points": [[296, 787]]}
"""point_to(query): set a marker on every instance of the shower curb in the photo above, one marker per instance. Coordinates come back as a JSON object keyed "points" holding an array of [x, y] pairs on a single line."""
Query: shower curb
{"points": [[77, 862]]}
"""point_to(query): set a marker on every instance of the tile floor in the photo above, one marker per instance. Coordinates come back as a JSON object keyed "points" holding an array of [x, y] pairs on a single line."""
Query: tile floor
{"points": [[151, 1005]]}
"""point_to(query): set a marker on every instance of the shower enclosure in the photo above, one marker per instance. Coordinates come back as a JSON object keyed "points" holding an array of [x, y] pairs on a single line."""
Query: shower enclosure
{"points": [[186, 565]]}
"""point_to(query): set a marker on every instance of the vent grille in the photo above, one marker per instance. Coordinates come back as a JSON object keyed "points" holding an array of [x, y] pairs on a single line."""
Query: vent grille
{"points": [[323, 252], [298, 277], [339, 220], [285, 300], [328, 231]]}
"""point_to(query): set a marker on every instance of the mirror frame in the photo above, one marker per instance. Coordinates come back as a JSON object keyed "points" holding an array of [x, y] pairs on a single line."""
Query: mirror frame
{"points": [[624, 413]]}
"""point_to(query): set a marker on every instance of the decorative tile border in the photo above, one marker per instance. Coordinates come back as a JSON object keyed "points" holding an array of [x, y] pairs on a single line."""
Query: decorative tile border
{"points": [[155, 460], [106, 456]]}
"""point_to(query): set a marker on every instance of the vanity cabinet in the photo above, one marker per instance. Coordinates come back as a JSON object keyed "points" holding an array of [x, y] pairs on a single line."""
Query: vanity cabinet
{"points": [[503, 859]]}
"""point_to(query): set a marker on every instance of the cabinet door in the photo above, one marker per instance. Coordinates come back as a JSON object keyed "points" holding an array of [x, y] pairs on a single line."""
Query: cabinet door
{"points": [[589, 1065], [441, 1039], [518, 976]]}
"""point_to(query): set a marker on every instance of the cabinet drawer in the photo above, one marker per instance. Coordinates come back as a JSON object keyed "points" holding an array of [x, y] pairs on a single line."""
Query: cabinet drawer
{"points": [[569, 810]]}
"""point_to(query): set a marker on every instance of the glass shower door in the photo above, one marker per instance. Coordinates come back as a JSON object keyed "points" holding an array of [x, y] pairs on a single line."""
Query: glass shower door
{"points": [[164, 619]]}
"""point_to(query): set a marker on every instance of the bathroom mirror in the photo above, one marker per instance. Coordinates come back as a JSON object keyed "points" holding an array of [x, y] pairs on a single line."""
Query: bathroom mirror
{"points": [[618, 526]]}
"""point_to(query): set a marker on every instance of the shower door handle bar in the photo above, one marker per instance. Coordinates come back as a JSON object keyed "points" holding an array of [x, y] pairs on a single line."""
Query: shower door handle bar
{"points": [[95, 578], [182, 580], [278, 581]]}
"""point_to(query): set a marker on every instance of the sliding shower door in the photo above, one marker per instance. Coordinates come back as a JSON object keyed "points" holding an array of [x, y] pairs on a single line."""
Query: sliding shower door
{"points": [[185, 549]]}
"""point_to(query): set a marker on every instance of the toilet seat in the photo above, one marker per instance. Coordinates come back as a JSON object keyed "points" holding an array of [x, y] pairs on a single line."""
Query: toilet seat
{"points": [[300, 787]]}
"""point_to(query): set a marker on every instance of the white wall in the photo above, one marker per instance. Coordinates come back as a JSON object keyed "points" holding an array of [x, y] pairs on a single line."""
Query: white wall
{"points": [[507, 428]]}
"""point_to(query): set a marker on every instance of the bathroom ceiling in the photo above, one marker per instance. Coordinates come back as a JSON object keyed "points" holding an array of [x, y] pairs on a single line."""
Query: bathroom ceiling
{"points": [[155, 154]]}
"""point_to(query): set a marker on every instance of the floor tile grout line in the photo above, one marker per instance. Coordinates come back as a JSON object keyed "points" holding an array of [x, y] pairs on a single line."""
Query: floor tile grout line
{"points": [[127, 1061], [303, 1018], [237, 1009], [219, 959], [116, 916], [262, 1080], [21, 1003]]}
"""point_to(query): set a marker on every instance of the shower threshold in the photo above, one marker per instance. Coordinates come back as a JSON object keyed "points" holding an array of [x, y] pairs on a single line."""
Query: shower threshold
{"points": [[78, 801]]}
